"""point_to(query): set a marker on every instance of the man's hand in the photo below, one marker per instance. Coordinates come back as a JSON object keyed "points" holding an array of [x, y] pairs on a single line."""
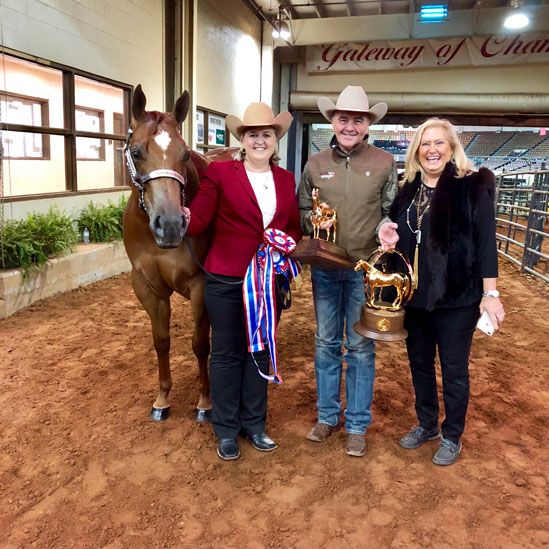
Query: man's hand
{"points": [[324, 225], [388, 236]]}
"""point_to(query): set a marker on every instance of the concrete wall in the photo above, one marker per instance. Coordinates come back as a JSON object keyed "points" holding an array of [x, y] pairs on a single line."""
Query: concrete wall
{"points": [[228, 57], [118, 39]]}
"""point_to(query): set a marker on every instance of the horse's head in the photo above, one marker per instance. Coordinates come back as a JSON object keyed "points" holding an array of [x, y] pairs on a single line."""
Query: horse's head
{"points": [[163, 167]]}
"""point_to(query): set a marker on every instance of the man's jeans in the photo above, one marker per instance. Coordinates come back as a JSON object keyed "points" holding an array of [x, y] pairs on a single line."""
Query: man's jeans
{"points": [[338, 297]]}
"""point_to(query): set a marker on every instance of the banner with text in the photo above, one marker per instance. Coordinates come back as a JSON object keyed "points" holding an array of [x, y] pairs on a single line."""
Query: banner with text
{"points": [[436, 52]]}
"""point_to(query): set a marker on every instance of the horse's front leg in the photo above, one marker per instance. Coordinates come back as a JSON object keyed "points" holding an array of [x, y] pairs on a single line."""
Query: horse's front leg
{"points": [[201, 347], [158, 309]]}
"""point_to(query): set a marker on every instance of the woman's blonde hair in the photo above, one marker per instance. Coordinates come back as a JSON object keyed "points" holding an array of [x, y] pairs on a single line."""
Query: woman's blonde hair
{"points": [[412, 165], [240, 155]]}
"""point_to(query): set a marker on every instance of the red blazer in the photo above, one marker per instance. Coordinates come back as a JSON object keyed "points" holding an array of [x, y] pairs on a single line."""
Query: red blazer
{"points": [[227, 200]]}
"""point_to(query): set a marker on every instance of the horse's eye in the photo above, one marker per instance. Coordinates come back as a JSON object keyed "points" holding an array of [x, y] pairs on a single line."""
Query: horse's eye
{"points": [[136, 154], [186, 155]]}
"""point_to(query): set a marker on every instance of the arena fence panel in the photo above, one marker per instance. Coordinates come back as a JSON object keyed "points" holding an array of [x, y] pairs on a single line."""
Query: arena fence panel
{"points": [[522, 217]]}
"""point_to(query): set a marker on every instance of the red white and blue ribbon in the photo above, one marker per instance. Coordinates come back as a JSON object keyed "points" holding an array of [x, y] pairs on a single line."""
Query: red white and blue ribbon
{"points": [[259, 293]]}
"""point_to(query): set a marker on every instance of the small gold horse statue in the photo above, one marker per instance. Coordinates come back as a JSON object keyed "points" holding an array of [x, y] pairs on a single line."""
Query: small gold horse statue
{"points": [[378, 279], [320, 214]]}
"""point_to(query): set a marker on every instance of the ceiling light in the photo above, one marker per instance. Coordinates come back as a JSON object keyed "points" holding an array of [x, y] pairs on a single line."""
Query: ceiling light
{"points": [[283, 31], [433, 12], [516, 20]]}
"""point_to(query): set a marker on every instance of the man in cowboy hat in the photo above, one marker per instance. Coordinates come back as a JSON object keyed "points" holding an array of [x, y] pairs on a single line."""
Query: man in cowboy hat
{"points": [[359, 181]]}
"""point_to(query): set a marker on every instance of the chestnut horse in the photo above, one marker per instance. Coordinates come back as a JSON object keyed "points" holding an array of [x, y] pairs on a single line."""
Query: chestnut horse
{"points": [[166, 175]]}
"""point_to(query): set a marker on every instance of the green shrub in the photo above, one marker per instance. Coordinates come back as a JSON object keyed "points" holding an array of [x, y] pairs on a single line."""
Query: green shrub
{"points": [[103, 222], [28, 242]]}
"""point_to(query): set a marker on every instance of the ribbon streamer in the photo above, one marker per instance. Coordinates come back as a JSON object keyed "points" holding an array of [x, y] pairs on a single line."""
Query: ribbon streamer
{"points": [[259, 296]]}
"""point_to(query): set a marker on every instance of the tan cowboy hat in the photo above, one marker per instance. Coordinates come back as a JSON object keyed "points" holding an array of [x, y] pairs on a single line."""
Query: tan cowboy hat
{"points": [[258, 115], [353, 99]]}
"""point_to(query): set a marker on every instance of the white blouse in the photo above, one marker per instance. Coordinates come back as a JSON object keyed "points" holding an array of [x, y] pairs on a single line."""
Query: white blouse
{"points": [[265, 192]]}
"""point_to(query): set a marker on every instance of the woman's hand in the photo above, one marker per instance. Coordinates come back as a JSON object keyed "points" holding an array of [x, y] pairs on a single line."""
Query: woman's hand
{"points": [[186, 214], [494, 308], [388, 236]]}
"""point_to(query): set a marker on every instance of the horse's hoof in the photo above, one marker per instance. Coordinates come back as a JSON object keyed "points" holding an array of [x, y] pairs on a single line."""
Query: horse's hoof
{"points": [[203, 416], [160, 414]]}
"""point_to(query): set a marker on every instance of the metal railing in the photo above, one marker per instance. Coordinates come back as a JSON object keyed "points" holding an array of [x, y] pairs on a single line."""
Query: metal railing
{"points": [[522, 213]]}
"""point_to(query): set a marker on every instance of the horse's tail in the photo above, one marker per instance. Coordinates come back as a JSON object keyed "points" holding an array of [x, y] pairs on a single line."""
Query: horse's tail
{"points": [[406, 286]]}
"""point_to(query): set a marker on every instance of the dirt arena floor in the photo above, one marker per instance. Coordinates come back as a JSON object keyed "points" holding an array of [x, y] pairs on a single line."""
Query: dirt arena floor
{"points": [[82, 465]]}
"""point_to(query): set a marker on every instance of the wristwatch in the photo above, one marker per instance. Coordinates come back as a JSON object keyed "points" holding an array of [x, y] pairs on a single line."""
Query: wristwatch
{"points": [[490, 293]]}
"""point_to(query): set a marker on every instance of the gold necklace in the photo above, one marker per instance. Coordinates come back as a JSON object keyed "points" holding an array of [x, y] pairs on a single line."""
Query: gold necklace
{"points": [[417, 232]]}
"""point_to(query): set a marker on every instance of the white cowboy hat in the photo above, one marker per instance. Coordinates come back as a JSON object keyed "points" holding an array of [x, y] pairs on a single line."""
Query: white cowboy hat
{"points": [[259, 115], [353, 99]]}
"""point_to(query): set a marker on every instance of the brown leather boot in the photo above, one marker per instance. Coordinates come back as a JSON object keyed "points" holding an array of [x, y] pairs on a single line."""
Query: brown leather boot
{"points": [[356, 445], [320, 432]]}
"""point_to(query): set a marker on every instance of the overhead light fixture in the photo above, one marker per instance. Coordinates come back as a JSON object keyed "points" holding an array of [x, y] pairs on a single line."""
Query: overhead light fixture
{"points": [[282, 30], [518, 19], [433, 12]]}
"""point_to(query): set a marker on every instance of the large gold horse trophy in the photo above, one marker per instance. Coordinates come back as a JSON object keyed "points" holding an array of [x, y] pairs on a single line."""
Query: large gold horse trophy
{"points": [[379, 319], [319, 252]]}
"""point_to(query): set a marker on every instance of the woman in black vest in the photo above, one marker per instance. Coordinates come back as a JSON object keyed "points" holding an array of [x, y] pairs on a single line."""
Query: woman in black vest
{"points": [[444, 222]]}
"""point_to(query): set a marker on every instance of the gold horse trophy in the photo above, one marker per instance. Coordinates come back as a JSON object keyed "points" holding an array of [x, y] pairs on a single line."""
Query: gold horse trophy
{"points": [[384, 320], [321, 252]]}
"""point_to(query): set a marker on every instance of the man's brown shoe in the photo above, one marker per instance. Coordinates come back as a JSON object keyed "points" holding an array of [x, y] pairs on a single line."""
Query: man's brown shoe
{"points": [[356, 445], [320, 432]]}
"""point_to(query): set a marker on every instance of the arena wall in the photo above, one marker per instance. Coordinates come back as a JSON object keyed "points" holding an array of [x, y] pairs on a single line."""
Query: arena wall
{"points": [[228, 57]]}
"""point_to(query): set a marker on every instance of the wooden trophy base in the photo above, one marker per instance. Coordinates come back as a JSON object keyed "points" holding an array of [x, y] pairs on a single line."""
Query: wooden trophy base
{"points": [[322, 254], [381, 324]]}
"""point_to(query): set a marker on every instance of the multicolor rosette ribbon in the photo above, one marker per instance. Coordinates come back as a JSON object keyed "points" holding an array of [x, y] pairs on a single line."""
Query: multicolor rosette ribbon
{"points": [[259, 292]]}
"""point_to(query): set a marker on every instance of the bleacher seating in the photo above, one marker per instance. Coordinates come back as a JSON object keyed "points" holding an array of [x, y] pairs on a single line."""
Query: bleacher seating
{"points": [[488, 143], [466, 138], [541, 150], [520, 142]]}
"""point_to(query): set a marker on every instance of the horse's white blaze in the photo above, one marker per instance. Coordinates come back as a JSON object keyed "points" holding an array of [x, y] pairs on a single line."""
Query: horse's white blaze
{"points": [[163, 140]]}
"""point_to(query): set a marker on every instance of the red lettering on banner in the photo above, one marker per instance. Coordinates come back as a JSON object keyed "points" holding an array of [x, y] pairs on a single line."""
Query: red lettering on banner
{"points": [[347, 57], [362, 52], [453, 52], [458, 47], [515, 42], [497, 41], [334, 58], [443, 50]]}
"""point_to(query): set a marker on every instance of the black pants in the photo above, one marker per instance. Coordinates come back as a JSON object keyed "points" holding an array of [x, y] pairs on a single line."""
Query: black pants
{"points": [[239, 393], [451, 330]]}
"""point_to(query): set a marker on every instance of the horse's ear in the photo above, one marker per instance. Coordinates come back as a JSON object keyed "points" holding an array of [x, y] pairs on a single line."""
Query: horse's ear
{"points": [[182, 107], [139, 101]]}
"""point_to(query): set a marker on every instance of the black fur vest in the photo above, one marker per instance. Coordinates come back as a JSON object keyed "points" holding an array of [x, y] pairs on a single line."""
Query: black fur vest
{"points": [[451, 247]]}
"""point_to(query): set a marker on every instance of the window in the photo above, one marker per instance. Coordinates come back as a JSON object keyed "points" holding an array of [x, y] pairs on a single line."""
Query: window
{"points": [[91, 121], [30, 111], [74, 124], [211, 132]]}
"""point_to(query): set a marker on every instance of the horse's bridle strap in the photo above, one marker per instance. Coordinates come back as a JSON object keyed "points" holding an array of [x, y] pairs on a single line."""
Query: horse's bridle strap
{"points": [[157, 174]]}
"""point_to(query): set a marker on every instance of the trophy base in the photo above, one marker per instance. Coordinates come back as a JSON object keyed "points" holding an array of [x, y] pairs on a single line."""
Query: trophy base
{"points": [[322, 254], [380, 324]]}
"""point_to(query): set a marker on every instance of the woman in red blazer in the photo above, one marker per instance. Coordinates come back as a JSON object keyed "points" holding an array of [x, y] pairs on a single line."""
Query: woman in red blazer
{"points": [[241, 198]]}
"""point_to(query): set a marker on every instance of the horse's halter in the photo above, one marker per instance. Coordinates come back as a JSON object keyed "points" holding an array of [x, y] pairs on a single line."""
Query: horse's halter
{"points": [[139, 180]]}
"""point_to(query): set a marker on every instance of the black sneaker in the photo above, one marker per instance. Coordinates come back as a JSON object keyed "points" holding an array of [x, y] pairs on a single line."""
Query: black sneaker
{"points": [[447, 453], [418, 436]]}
